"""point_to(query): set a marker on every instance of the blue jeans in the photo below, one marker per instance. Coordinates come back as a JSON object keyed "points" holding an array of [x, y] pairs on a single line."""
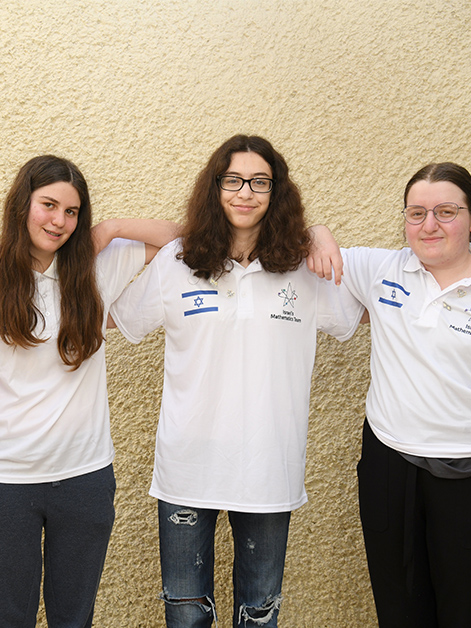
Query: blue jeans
{"points": [[187, 560], [76, 515]]}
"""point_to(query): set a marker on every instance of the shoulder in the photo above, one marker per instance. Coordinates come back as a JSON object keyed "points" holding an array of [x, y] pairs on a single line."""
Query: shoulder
{"points": [[117, 264], [364, 259], [118, 247], [359, 252], [170, 250]]}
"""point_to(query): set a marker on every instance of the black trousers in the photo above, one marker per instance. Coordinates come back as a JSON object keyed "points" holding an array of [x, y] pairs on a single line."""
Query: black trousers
{"points": [[417, 531]]}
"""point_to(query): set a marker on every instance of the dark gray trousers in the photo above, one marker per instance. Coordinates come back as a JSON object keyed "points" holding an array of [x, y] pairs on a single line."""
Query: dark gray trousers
{"points": [[76, 516]]}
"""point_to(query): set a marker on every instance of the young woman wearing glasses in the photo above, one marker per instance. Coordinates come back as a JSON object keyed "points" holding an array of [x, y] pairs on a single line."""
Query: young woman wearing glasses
{"points": [[240, 310], [415, 469]]}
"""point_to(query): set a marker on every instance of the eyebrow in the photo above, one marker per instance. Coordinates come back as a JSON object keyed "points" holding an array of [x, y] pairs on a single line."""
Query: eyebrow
{"points": [[255, 174], [50, 198]]}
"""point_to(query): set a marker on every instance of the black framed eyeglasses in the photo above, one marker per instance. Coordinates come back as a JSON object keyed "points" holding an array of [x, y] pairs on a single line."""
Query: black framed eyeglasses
{"points": [[231, 183], [443, 212]]}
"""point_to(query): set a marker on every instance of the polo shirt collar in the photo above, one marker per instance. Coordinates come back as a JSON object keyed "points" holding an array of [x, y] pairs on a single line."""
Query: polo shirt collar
{"points": [[253, 267], [413, 264], [51, 270]]}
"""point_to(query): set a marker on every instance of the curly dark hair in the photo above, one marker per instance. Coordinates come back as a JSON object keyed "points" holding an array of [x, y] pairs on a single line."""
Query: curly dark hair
{"points": [[283, 241]]}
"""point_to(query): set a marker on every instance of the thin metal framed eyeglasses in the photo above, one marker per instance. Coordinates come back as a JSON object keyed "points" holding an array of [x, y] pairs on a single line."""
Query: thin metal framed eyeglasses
{"points": [[231, 183], [443, 212]]}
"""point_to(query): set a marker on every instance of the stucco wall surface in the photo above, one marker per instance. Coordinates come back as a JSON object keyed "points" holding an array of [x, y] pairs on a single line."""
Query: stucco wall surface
{"points": [[356, 95]]}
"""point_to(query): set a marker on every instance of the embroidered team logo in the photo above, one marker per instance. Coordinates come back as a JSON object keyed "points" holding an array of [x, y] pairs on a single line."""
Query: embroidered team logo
{"points": [[199, 302], [289, 296], [467, 326]]}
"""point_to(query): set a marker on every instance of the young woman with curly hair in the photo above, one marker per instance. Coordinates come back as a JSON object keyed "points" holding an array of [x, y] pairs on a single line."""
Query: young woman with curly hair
{"points": [[56, 476], [240, 309]]}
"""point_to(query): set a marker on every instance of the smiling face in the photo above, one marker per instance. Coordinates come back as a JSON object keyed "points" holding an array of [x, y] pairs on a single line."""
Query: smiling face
{"points": [[52, 218], [245, 209], [440, 246]]}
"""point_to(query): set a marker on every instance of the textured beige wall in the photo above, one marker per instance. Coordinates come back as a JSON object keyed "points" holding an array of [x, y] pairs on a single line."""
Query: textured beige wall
{"points": [[356, 94]]}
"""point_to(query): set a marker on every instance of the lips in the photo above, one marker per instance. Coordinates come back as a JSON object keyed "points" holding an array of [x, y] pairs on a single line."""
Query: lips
{"points": [[431, 240], [243, 208], [53, 234]]}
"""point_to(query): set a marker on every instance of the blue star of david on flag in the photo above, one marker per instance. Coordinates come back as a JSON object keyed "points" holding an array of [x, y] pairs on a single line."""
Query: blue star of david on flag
{"points": [[199, 304], [394, 296]]}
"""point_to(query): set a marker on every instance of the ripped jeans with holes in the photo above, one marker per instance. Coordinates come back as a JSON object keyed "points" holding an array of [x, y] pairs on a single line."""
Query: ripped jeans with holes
{"points": [[187, 561]]}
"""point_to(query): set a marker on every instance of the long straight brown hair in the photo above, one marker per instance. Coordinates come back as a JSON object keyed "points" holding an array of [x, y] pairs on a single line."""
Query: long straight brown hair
{"points": [[80, 333], [283, 241]]}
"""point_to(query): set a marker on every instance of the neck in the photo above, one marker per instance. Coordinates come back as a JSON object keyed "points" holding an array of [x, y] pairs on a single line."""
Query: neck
{"points": [[448, 276], [41, 265], [242, 246]]}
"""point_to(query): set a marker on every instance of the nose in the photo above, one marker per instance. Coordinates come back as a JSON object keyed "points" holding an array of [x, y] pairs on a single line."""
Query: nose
{"points": [[245, 191], [430, 223], [58, 218]]}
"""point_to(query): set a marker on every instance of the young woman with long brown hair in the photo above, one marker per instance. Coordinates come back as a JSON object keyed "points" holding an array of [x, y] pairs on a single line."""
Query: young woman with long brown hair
{"points": [[240, 309], [56, 475]]}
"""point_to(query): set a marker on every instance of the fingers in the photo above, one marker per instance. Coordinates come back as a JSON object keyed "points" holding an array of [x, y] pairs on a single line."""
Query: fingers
{"points": [[326, 266]]}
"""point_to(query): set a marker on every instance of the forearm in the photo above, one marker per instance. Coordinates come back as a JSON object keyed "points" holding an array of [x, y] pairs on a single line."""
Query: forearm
{"points": [[152, 231], [325, 254]]}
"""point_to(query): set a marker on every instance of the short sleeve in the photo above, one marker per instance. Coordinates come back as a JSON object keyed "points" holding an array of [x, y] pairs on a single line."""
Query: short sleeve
{"points": [[339, 312], [139, 309], [117, 264]]}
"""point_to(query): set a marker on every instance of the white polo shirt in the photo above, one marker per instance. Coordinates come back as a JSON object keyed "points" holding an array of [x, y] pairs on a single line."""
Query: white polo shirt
{"points": [[54, 422], [419, 401], [238, 363]]}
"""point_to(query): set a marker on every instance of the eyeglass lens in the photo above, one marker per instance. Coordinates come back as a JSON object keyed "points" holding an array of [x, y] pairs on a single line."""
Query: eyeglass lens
{"points": [[234, 184], [444, 212]]}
